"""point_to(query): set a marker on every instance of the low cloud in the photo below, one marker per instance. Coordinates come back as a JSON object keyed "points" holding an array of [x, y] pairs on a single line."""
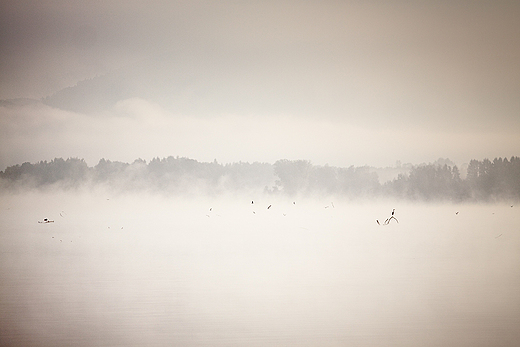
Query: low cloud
{"points": [[136, 128]]}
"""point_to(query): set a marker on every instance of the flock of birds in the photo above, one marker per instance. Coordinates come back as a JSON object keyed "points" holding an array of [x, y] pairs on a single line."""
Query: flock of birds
{"points": [[386, 222], [254, 212]]}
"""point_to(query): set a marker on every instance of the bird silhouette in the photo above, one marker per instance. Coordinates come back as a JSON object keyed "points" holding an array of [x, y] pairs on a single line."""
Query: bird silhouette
{"points": [[387, 221]]}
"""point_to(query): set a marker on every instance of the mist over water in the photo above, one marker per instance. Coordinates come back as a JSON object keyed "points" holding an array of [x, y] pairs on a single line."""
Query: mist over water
{"points": [[180, 223], [143, 269]]}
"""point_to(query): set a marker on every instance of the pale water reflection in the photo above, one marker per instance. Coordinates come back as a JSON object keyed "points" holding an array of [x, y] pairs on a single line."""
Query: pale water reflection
{"points": [[144, 270]]}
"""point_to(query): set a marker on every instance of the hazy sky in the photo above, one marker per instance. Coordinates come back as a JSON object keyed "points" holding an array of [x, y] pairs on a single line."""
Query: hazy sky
{"points": [[337, 82]]}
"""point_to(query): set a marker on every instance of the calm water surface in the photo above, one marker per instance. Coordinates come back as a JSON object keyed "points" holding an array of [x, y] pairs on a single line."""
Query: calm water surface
{"points": [[144, 270]]}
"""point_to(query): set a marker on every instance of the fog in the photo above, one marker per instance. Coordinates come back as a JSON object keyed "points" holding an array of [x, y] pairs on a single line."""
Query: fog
{"points": [[219, 173], [137, 128], [149, 269]]}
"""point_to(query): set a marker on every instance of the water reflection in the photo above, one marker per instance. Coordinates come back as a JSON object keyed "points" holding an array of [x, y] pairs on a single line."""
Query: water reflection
{"points": [[295, 275]]}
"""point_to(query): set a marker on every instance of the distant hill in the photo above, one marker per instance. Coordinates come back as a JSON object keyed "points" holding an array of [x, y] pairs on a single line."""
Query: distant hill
{"points": [[91, 95], [223, 84], [19, 102]]}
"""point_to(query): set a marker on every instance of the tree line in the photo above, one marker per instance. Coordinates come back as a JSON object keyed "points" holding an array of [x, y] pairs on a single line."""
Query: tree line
{"points": [[486, 180]]}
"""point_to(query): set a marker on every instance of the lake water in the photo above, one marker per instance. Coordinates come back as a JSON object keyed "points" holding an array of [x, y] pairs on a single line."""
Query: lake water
{"points": [[143, 270]]}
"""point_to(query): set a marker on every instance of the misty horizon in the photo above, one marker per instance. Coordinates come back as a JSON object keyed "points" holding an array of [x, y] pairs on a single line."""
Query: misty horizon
{"points": [[479, 181], [396, 164]]}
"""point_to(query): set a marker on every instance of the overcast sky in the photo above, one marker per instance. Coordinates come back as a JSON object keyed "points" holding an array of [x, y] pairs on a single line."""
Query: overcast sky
{"points": [[337, 82]]}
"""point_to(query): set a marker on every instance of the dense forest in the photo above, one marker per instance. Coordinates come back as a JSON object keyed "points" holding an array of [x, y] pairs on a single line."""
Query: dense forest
{"points": [[485, 180]]}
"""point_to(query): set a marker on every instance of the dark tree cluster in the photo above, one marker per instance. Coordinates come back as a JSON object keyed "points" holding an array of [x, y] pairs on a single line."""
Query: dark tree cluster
{"points": [[69, 172], [486, 180], [489, 180], [301, 177], [429, 182], [173, 175]]}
